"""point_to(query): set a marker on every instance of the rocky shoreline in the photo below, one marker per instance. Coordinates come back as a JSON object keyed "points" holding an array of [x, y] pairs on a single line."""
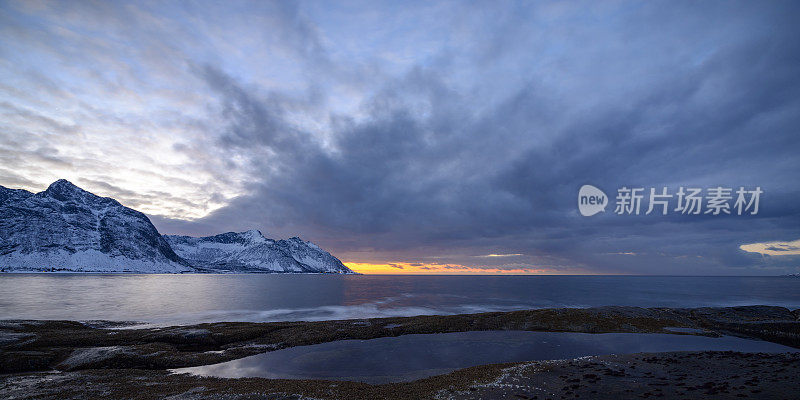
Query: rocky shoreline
{"points": [[68, 359]]}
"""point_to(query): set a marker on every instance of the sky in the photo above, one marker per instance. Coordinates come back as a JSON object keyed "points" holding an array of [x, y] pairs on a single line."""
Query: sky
{"points": [[421, 136]]}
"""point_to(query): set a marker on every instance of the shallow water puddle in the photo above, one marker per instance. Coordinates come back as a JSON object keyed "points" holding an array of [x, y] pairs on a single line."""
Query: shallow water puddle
{"points": [[410, 357]]}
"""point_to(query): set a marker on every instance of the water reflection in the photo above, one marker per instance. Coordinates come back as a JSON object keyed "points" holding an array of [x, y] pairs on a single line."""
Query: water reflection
{"points": [[411, 357]]}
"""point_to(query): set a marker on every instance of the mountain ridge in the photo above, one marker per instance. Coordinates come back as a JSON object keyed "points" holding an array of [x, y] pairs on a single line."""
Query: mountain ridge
{"points": [[250, 251], [66, 228]]}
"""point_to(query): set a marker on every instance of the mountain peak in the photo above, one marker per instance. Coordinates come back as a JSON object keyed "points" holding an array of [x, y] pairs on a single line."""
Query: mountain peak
{"points": [[63, 189], [252, 236], [254, 233], [63, 183]]}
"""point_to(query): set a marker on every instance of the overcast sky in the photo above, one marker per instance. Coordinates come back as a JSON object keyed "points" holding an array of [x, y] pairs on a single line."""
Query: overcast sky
{"points": [[427, 136]]}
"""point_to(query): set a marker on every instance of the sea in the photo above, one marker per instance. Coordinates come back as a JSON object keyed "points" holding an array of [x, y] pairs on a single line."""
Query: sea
{"points": [[158, 300]]}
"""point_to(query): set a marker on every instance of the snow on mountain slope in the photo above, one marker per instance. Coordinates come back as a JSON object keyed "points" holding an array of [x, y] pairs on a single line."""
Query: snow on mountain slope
{"points": [[66, 228], [251, 252], [311, 255], [12, 195]]}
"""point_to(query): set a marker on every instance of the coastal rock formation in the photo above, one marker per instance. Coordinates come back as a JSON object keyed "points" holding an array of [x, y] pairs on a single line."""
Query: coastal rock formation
{"points": [[69, 359]]}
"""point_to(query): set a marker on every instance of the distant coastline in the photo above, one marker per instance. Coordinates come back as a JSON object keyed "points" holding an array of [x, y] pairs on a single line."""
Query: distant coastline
{"points": [[68, 229]]}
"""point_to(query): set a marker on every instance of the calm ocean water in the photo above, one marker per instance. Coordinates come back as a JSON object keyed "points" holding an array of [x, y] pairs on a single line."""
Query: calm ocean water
{"points": [[181, 299]]}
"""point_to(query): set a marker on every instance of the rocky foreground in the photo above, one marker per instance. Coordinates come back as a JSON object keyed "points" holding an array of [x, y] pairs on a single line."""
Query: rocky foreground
{"points": [[65, 359]]}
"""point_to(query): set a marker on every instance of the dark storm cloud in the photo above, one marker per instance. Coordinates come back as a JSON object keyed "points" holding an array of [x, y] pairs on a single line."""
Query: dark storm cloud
{"points": [[440, 133], [451, 180]]}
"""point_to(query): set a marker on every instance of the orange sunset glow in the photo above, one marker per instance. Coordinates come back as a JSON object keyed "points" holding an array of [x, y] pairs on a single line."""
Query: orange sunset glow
{"points": [[444, 269]]}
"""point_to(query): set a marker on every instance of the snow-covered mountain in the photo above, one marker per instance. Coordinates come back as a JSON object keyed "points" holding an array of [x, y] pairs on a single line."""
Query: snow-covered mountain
{"points": [[66, 228], [251, 252]]}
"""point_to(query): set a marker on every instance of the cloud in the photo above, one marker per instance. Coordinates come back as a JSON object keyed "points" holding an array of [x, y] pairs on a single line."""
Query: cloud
{"points": [[419, 169], [423, 143], [791, 248]]}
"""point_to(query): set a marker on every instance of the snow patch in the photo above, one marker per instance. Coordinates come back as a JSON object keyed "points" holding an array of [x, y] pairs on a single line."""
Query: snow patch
{"points": [[84, 261], [83, 357]]}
